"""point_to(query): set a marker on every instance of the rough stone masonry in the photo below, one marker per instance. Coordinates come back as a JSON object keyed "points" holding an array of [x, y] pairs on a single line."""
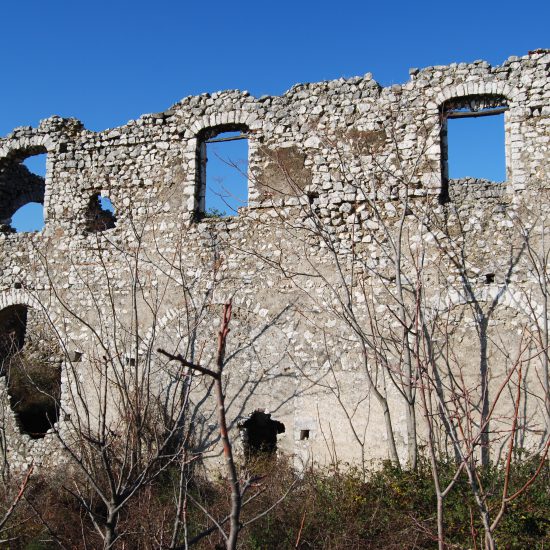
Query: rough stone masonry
{"points": [[352, 227]]}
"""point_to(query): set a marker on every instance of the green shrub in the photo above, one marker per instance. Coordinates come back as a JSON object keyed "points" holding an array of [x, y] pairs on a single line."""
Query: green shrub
{"points": [[338, 509]]}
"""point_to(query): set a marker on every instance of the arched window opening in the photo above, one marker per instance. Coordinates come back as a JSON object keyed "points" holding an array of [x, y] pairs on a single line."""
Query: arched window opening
{"points": [[100, 214], [22, 187], [473, 140], [36, 164], [29, 218], [222, 186], [30, 361], [259, 434]]}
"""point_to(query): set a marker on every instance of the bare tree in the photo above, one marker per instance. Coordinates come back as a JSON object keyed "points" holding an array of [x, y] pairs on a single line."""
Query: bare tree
{"points": [[236, 490], [12, 504], [127, 415], [373, 294], [392, 307]]}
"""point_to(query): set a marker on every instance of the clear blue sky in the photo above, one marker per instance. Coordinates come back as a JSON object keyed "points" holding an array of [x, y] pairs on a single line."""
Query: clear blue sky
{"points": [[107, 62]]}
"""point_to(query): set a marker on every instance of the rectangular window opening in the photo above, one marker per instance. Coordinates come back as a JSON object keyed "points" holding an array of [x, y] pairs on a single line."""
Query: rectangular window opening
{"points": [[224, 174], [304, 434], [473, 142], [475, 147]]}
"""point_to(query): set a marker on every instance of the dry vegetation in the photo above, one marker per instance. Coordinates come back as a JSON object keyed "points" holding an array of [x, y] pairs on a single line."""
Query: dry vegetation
{"points": [[334, 508]]}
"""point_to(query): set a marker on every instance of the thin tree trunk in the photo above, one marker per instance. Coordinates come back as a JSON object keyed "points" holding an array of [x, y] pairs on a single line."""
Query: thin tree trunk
{"points": [[412, 447], [110, 529], [234, 519], [484, 376], [392, 447]]}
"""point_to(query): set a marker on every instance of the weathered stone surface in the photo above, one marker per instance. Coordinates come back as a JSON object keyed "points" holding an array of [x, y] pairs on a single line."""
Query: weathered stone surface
{"points": [[330, 165]]}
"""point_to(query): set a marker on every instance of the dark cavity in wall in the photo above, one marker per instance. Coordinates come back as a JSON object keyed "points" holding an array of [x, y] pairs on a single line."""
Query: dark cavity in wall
{"points": [[100, 214], [259, 433], [31, 365]]}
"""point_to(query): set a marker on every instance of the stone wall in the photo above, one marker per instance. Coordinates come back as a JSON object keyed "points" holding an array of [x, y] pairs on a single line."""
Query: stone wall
{"points": [[339, 172]]}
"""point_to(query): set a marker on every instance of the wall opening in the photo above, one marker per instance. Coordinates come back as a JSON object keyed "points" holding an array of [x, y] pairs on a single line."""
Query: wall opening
{"points": [[473, 140], [100, 214], [29, 218], [259, 434], [36, 164], [22, 188], [222, 185], [30, 361]]}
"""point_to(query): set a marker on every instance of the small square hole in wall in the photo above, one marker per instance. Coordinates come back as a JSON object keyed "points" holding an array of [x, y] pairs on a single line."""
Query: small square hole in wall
{"points": [[75, 356], [489, 278], [304, 434]]}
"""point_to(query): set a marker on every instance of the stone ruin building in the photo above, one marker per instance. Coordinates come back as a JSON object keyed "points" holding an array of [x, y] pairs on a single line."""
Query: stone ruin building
{"points": [[350, 211]]}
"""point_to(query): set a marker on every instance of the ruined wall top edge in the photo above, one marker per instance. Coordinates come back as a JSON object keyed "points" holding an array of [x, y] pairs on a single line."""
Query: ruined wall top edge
{"points": [[418, 78], [296, 144]]}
